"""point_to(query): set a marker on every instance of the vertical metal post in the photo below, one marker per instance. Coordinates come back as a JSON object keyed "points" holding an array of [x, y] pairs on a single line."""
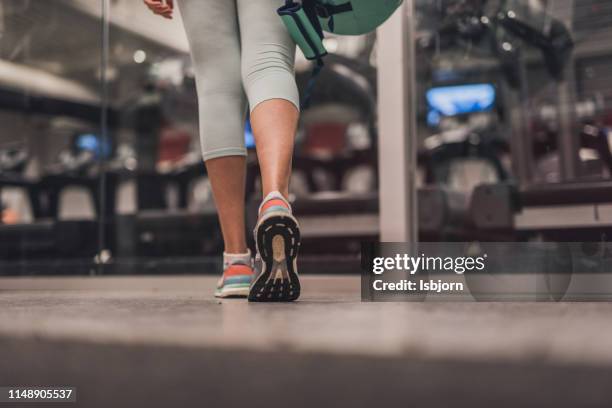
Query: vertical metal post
{"points": [[397, 141], [521, 144], [104, 95], [568, 140]]}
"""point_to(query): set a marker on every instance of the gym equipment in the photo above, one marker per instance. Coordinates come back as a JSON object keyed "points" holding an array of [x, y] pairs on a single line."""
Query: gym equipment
{"points": [[471, 150], [13, 160], [578, 211], [438, 160], [459, 100], [306, 21], [555, 194], [505, 25], [537, 28], [594, 165], [343, 110], [336, 167], [82, 156], [347, 81], [77, 165]]}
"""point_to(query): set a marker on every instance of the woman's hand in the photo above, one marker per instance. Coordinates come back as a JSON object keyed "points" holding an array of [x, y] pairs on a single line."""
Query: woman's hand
{"points": [[161, 7]]}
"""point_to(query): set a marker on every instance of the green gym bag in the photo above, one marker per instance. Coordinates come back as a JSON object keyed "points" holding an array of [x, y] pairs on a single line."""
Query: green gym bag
{"points": [[307, 20]]}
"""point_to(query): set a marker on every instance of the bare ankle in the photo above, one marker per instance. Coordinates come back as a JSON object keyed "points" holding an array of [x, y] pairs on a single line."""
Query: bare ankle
{"points": [[235, 249]]}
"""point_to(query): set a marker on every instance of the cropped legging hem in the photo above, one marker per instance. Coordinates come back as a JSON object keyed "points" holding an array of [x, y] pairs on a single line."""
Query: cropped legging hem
{"points": [[274, 87], [228, 151]]}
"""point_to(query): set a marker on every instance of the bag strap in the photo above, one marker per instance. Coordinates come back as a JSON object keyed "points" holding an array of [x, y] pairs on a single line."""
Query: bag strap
{"points": [[310, 8], [313, 10], [312, 82], [330, 10]]}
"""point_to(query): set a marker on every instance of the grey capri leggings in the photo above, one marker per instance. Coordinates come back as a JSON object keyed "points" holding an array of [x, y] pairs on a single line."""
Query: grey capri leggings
{"points": [[241, 51]]}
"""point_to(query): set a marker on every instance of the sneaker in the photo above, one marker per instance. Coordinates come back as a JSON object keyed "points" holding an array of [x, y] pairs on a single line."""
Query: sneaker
{"points": [[237, 276], [277, 237]]}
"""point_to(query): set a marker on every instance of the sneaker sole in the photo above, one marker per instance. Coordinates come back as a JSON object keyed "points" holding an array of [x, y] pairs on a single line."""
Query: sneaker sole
{"points": [[277, 238], [232, 292]]}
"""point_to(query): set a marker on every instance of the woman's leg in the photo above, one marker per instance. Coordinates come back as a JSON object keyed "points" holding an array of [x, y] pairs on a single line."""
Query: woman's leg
{"points": [[267, 69], [227, 178], [269, 81], [213, 33], [274, 124]]}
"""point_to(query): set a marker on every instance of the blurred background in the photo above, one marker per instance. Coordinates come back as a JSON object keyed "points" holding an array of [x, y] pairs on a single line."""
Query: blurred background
{"points": [[100, 167]]}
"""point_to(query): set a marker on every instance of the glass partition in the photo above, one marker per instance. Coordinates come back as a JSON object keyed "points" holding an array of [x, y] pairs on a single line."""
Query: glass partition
{"points": [[161, 216], [100, 163], [50, 147], [160, 212], [513, 112]]}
